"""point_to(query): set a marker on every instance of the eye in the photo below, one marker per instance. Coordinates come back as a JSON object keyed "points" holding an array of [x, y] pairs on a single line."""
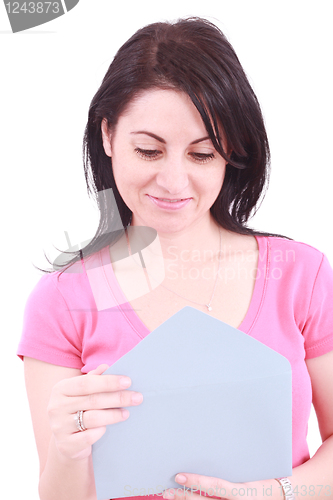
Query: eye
{"points": [[148, 154], [202, 157]]}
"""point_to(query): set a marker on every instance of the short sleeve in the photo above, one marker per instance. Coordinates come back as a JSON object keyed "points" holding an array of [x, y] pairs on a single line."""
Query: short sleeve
{"points": [[49, 333], [318, 329]]}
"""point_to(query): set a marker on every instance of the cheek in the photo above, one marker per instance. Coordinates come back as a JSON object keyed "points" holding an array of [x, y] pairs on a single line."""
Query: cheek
{"points": [[129, 177], [212, 180]]}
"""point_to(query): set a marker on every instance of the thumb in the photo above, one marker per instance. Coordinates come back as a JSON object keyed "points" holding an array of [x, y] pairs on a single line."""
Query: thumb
{"points": [[99, 370]]}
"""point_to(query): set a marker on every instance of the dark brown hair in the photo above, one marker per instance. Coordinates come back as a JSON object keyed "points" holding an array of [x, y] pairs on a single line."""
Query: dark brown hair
{"points": [[193, 56]]}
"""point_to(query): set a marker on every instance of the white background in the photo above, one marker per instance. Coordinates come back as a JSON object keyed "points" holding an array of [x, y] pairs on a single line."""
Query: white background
{"points": [[49, 75]]}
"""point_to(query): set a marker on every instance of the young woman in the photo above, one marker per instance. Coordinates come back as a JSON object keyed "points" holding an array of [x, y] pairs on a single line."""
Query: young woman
{"points": [[176, 132]]}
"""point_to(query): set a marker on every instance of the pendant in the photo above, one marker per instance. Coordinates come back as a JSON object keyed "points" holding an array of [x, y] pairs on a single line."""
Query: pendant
{"points": [[209, 307]]}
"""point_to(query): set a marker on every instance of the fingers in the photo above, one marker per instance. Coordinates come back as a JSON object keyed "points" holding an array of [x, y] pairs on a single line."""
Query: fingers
{"points": [[101, 399], [92, 383], [97, 418], [206, 485], [101, 418], [92, 391], [104, 409], [104, 401]]}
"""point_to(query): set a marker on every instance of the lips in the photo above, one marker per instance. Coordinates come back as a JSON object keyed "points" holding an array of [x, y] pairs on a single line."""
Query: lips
{"points": [[169, 199], [172, 200], [170, 203]]}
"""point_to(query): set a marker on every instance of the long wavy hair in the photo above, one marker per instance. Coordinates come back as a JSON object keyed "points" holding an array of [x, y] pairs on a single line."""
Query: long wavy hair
{"points": [[191, 55]]}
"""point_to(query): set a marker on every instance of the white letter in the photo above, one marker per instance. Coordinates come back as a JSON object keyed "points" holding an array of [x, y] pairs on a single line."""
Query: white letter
{"points": [[170, 253], [169, 269], [181, 256]]}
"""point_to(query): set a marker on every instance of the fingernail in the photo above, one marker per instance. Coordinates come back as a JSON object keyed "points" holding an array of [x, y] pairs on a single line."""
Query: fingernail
{"points": [[180, 478], [125, 414], [137, 398], [125, 381]]}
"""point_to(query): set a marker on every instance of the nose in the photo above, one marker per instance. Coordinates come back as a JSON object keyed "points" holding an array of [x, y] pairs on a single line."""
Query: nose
{"points": [[173, 176]]}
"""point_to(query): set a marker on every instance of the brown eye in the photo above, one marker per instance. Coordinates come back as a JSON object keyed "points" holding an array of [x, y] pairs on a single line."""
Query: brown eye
{"points": [[148, 154]]}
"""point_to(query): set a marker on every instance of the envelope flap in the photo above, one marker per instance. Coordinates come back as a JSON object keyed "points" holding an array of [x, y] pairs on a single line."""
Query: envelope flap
{"points": [[191, 345]]}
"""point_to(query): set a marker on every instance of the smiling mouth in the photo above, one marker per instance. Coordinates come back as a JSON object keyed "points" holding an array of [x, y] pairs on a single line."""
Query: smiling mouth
{"points": [[173, 200]]}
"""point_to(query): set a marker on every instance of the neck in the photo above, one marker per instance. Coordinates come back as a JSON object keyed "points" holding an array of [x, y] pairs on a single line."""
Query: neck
{"points": [[196, 245]]}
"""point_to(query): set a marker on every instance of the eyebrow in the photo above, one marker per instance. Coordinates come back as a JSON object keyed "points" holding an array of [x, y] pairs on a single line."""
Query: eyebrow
{"points": [[160, 139]]}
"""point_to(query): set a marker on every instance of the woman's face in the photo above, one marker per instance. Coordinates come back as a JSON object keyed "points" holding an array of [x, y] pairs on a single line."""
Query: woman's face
{"points": [[165, 166]]}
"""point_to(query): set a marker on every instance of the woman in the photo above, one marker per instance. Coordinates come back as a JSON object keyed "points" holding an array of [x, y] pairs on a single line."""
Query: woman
{"points": [[176, 131]]}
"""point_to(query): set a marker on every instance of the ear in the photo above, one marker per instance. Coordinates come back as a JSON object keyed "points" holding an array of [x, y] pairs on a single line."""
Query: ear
{"points": [[106, 137]]}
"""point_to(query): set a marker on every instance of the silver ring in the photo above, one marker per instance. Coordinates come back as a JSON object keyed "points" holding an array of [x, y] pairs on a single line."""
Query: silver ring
{"points": [[78, 417]]}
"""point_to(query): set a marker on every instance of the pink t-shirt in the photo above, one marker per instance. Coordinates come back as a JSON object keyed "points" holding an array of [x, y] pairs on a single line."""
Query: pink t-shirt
{"points": [[290, 311]]}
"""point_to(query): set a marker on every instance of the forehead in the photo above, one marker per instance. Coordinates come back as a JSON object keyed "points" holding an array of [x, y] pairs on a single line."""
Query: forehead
{"points": [[155, 94], [159, 107]]}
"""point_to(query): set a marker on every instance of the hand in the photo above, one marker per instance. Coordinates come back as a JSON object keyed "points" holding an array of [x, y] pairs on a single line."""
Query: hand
{"points": [[219, 488], [101, 399]]}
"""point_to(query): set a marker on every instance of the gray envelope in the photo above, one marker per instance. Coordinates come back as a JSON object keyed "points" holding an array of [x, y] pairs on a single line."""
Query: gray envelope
{"points": [[216, 402]]}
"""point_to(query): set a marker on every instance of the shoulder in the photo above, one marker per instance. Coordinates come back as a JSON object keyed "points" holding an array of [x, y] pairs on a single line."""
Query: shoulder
{"points": [[54, 317], [293, 253], [59, 288], [294, 264], [299, 247]]}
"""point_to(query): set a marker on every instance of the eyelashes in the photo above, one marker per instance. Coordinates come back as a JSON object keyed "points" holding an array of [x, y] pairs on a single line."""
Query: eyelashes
{"points": [[154, 154], [148, 154], [202, 157]]}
